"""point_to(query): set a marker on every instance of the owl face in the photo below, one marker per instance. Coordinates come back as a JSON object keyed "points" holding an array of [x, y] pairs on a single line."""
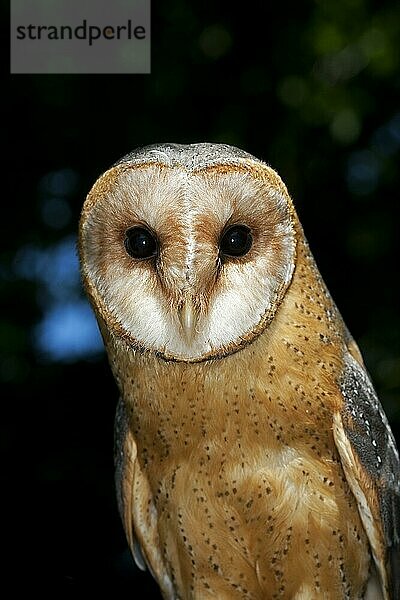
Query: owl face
{"points": [[187, 258]]}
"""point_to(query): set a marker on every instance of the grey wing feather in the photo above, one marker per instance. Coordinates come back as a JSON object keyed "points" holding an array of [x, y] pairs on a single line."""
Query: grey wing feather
{"points": [[366, 428]]}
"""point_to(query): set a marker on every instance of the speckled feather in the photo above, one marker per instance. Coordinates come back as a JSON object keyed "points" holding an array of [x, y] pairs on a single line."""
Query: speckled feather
{"points": [[248, 474], [375, 457]]}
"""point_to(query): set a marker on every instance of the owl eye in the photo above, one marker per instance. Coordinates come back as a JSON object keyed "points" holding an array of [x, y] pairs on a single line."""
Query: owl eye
{"points": [[140, 243], [236, 241]]}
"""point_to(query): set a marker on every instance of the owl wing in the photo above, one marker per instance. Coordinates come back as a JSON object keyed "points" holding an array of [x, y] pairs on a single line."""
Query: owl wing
{"points": [[371, 465], [124, 459], [135, 503]]}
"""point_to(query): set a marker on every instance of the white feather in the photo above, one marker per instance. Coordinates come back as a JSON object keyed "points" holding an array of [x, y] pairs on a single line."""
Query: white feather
{"points": [[137, 297]]}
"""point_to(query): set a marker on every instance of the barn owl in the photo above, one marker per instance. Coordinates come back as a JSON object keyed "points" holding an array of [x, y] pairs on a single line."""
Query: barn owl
{"points": [[253, 458]]}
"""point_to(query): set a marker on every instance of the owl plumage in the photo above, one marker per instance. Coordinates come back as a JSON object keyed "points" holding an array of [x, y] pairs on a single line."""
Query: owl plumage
{"points": [[253, 458]]}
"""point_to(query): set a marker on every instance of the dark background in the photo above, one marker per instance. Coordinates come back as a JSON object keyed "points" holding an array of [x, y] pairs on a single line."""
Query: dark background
{"points": [[310, 87]]}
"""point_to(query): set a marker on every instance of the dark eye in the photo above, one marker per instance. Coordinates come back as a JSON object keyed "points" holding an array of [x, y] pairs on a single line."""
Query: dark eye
{"points": [[140, 243], [236, 241]]}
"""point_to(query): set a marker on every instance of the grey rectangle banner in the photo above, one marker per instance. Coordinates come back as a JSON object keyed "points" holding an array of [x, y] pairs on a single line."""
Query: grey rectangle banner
{"points": [[80, 36]]}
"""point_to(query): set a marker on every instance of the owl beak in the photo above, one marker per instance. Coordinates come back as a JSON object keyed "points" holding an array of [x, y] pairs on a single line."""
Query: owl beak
{"points": [[188, 318]]}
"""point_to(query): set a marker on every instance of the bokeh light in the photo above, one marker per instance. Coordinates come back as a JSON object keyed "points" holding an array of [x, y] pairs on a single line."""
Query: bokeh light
{"points": [[67, 330]]}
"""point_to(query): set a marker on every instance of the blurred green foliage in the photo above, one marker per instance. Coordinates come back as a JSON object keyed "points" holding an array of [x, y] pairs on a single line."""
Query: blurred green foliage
{"points": [[313, 89]]}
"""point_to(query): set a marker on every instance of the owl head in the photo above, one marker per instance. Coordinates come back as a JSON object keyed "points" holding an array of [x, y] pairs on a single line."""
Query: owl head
{"points": [[187, 250]]}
